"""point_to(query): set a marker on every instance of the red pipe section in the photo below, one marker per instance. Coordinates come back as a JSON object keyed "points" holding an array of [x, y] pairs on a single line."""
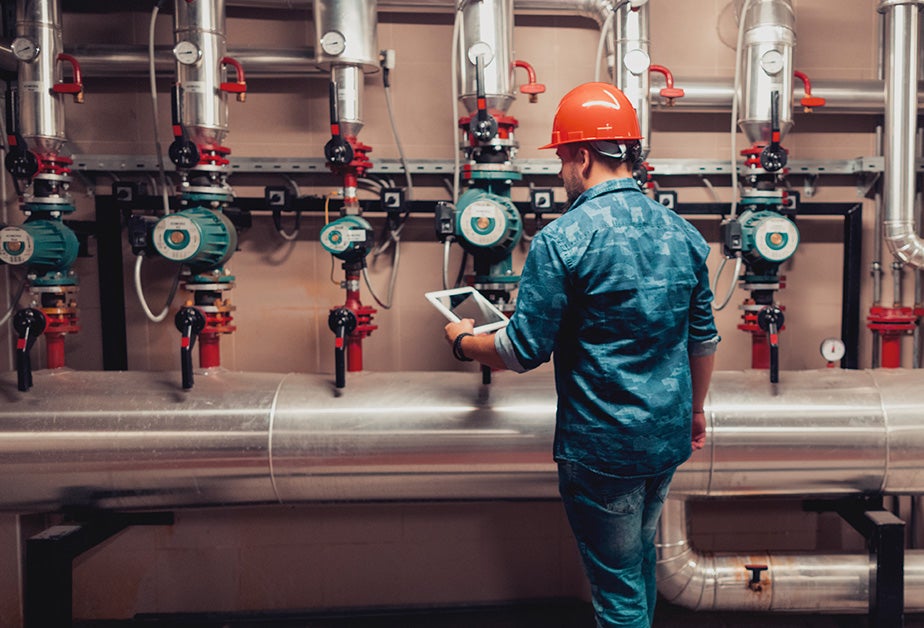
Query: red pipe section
{"points": [[808, 101], [532, 87], [670, 92]]}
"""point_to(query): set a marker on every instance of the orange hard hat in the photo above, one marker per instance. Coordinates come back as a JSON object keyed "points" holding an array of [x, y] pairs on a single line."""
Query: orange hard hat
{"points": [[594, 111]]}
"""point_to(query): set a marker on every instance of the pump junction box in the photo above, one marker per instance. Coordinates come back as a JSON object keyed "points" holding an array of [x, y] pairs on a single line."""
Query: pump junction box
{"points": [[668, 199]]}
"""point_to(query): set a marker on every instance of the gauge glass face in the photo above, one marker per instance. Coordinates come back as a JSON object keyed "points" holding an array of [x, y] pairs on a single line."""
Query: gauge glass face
{"points": [[481, 49], [186, 52], [24, 49], [772, 62], [833, 349], [333, 43]]}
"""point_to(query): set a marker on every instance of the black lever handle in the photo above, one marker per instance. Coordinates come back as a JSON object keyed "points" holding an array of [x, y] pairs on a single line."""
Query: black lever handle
{"points": [[341, 321], [770, 319], [190, 322], [483, 126], [773, 157], [337, 150], [183, 152], [29, 325]]}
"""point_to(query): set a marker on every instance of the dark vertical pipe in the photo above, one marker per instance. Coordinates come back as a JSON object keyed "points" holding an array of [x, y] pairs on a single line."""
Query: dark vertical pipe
{"points": [[850, 302], [111, 287]]}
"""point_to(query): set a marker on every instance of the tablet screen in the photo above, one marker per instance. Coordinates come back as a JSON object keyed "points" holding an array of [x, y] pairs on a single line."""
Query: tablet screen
{"points": [[466, 305]]}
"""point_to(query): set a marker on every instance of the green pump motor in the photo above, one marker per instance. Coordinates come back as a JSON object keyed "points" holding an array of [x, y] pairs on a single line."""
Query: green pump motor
{"points": [[199, 237], [42, 244], [489, 226]]}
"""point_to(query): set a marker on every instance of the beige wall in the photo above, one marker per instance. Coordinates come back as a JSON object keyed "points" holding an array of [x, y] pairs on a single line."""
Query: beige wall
{"points": [[283, 558]]}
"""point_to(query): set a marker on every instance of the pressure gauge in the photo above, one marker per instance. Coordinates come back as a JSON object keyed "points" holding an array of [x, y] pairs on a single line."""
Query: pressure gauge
{"points": [[24, 49], [333, 43], [187, 53], [637, 61], [481, 49], [771, 62], [833, 349]]}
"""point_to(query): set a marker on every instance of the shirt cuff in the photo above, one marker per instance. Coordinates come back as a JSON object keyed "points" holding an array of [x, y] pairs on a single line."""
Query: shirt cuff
{"points": [[700, 349], [504, 348]]}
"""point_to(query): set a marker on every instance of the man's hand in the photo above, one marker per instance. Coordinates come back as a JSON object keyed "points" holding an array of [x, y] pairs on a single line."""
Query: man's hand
{"points": [[452, 330], [699, 430]]}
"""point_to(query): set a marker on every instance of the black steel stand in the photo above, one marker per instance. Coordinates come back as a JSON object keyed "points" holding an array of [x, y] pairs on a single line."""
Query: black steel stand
{"points": [[48, 595], [885, 538]]}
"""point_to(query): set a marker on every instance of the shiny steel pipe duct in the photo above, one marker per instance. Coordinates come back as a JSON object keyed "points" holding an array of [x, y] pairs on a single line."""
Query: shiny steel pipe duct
{"points": [[593, 9], [136, 440], [199, 31], [41, 111], [125, 61], [767, 67], [793, 582], [632, 64], [487, 32], [899, 176]]}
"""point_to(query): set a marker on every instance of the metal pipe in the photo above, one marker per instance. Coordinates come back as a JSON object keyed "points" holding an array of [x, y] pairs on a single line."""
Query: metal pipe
{"points": [[487, 32], [902, 36], [792, 582], [632, 64], [135, 440]]}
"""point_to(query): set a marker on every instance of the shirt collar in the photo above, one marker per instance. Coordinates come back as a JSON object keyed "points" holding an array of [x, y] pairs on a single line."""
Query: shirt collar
{"points": [[612, 185]]}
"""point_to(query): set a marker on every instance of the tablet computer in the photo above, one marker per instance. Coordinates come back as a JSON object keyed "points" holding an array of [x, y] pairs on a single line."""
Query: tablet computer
{"points": [[459, 303]]}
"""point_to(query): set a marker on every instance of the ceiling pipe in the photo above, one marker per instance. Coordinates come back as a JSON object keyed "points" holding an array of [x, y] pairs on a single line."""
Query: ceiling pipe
{"points": [[128, 440], [793, 582], [900, 174]]}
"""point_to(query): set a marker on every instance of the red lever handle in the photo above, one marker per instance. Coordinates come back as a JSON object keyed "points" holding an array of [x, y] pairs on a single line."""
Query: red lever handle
{"points": [[239, 87], [76, 86], [808, 101]]}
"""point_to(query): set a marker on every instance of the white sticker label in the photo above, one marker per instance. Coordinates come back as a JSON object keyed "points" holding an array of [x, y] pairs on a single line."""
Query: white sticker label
{"points": [[355, 235], [194, 87], [177, 238], [31, 86], [16, 245]]}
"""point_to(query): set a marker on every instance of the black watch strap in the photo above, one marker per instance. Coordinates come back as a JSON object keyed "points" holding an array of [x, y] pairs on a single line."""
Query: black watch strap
{"points": [[457, 347]]}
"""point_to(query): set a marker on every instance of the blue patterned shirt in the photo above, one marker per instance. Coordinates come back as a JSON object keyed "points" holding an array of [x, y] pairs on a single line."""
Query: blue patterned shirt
{"points": [[617, 288]]}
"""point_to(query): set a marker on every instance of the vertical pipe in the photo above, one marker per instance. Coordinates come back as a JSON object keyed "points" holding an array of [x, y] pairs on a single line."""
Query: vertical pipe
{"points": [[632, 64], [41, 111]]}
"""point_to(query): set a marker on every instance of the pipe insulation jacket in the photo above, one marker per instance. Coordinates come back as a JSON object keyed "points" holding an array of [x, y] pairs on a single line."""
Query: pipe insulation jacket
{"points": [[128, 440]]}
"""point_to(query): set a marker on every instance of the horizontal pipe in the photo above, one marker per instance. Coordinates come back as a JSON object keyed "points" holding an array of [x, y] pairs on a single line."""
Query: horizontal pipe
{"points": [[793, 581], [123, 61], [137, 440]]}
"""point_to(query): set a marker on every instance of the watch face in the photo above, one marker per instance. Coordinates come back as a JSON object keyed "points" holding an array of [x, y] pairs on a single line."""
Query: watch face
{"points": [[24, 49], [333, 43], [186, 52]]}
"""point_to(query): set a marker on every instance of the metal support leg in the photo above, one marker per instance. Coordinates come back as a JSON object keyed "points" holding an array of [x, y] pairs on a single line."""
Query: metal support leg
{"points": [[49, 561]]}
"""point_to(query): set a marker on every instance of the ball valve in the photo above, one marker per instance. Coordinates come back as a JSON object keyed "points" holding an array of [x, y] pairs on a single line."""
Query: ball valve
{"points": [[198, 237]]}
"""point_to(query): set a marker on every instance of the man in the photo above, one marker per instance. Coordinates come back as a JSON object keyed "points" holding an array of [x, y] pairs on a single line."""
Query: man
{"points": [[617, 289]]}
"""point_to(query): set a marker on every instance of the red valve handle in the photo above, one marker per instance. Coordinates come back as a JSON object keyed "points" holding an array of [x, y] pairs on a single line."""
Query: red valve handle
{"points": [[76, 86], [808, 101], [532, 87], [670, 92], [239, 87]]}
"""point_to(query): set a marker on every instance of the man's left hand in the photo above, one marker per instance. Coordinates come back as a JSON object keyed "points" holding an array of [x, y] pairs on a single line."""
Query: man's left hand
{"points": [[452, 330]]}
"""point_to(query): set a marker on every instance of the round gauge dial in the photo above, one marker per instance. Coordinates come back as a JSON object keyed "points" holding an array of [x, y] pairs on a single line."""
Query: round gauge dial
{"points": [[772, 62], [481, 49], [24, 49], [833, 349], [333, 43], [187, 53]]}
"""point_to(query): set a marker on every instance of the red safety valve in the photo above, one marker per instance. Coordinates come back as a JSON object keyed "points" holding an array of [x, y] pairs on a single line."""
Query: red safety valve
{"points": [[808, 101], [76, 86], [239, 87], [670, 92], [532, 87]]}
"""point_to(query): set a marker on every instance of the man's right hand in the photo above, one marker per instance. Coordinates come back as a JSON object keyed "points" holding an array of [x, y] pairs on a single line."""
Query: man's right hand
{"points": [[699, 430]]}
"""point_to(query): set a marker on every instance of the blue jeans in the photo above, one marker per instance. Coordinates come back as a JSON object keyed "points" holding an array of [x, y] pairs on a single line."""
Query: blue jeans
{"points": [[614, 521]]}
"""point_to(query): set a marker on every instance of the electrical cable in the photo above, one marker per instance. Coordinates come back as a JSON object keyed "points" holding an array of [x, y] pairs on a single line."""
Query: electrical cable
{"points": [[139, 291], [394, 130], [601, 43], [393, 279], [447, 245], [291, 237], [731, 290], [152, 75], [15, 301]]}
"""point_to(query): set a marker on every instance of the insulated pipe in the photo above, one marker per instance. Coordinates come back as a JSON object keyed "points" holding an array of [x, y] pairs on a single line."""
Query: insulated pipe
{"points": [[487, 32], [792, 582], [899, 175], [128, 440], [632, 64], [41, 110]]}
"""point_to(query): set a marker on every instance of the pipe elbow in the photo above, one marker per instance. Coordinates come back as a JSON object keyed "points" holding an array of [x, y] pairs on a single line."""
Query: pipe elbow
{"points": [[686, 578], [904, 243]]}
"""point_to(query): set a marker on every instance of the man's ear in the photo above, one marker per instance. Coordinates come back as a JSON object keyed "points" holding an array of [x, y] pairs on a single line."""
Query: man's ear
{"points": [[585, 160]]}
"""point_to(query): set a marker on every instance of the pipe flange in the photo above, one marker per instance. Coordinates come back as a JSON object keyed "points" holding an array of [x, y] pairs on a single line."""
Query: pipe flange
{"points": [[885, 5]]}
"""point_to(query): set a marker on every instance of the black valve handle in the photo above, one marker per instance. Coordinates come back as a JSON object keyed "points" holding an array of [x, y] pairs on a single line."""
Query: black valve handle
{"points": [[183, 152], [20, 162], [29, 324], [770, 319], [483, 126], [341, 321], [773, 157], [190, 322], [337, 150]]}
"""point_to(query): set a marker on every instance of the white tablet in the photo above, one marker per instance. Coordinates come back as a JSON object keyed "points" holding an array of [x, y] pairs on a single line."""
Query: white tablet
{"points": [[459, 303]]}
